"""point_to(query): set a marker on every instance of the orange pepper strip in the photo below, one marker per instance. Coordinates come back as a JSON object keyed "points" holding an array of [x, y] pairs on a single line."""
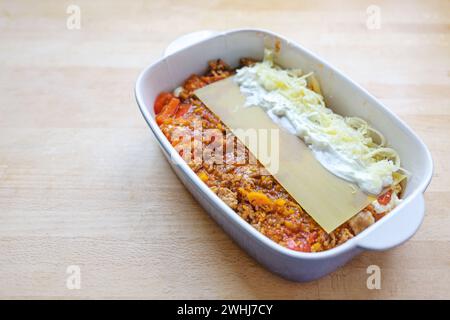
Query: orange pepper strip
{"points": [[184, 107], [169, 110], [258, 198], [162, 99]]}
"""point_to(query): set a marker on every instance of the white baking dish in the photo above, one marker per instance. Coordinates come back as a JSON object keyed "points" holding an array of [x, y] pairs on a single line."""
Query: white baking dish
{"points": [[342, 94]]}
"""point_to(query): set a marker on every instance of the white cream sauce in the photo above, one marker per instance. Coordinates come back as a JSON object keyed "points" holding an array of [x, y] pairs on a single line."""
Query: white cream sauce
{"points": [[333, 154]]}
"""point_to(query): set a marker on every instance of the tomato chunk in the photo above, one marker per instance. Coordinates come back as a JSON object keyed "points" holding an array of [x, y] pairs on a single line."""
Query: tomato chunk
{"points": [[384, 199], [168, 110], [162, 99], [301, 246], [183, 109]]}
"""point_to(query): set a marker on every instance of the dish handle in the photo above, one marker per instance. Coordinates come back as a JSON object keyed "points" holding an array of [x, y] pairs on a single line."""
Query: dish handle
{"points": [[188, 39], [402, 225]]}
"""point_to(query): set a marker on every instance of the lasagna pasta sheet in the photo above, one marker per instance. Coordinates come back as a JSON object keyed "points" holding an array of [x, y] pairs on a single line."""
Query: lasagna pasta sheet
{"points": [[328, 199]]}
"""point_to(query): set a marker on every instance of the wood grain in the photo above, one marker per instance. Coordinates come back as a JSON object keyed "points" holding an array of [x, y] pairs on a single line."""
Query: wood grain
{"points": [[82, 181]]}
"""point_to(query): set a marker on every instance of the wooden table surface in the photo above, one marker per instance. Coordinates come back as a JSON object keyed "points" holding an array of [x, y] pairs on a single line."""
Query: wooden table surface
{"points": [[82, 181]]}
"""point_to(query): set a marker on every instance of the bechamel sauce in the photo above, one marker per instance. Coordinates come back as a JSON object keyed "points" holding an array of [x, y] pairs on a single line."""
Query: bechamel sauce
{"points": [[371, 178]]}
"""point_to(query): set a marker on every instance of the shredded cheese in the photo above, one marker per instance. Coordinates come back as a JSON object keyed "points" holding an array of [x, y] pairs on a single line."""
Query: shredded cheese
{"points": [[346, 146]]}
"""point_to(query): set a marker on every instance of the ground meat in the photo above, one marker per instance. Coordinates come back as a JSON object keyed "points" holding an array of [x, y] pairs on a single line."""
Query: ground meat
{"points": [[228, 196], [361, 221], [246, 62]]}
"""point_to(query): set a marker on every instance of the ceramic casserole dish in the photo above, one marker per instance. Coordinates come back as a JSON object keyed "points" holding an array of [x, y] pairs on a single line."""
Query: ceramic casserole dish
{"points": [[190, 56]]}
